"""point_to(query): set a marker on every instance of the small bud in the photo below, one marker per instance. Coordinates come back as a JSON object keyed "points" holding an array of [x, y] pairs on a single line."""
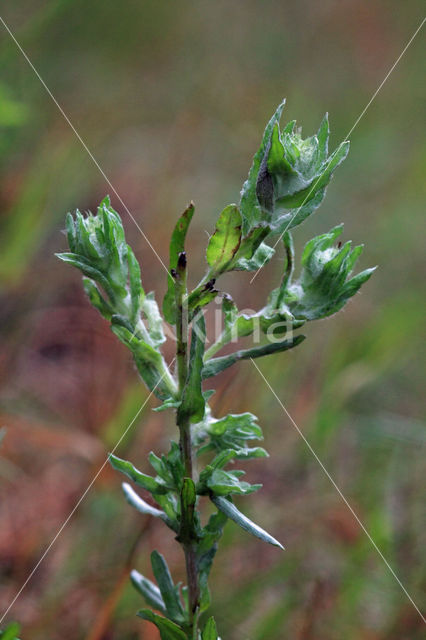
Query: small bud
{"points": [[173, 273], [209, 285], [181, 265]]}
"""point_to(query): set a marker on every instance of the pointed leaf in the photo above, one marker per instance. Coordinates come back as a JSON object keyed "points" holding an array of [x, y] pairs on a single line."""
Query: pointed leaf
{"points": [[10, 632], [96, 298], [142, 480], [322, 136], [168, 629], [253, 252], [250, 209], [155, 321], [149, 590], [215, 365], [224, 483], [177, 245], [135, 284], [148, 360], [230, 510], [143, 507], [210, 631], [170, 597], [86, 268], [193, 402], [225, 241]]}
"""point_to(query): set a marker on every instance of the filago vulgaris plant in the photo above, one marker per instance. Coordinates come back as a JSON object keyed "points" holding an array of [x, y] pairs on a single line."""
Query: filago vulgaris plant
{"points": [[286, 184]]}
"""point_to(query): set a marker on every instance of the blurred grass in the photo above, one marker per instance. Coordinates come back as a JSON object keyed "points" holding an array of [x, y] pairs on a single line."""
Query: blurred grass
{"points": [[171, 98]]}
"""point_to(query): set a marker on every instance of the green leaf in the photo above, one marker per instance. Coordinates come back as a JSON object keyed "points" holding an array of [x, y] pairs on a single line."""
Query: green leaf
{"points": [[135, 284], [141, 479], [206, 551], [143, 507], [240, 426], [323, 287], [168, 629], [354, 284], [322, 136], [287, 181], [177, 245], [200, 300], [224, 483], [230, 435], [167, 588], [96, 298], [231, 511], [193, 402], [215, 365], [260, 257], [210, 631], [10, 632], [148, 360], [225, 241], [249, 205], [171, 403], [155, 321], [149, 590], [189, 495], [188, 525], [86, 268], [253, 253]]}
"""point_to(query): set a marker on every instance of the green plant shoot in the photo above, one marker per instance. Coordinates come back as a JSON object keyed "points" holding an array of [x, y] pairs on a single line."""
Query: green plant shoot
{"points": [[286, 184]]}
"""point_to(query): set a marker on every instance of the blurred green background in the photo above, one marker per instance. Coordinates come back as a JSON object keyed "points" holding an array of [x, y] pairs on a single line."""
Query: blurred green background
{"points": [[171, 98]]}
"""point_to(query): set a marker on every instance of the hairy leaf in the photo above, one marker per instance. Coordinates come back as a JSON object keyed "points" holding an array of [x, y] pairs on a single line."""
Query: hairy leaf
{"points": [[149, 362], [155, 321], [149, 590], [249, 205], [224, 483], [143, 507], [231, 511], [141, 479], [324, 286], [215, 365], [174, 608]]}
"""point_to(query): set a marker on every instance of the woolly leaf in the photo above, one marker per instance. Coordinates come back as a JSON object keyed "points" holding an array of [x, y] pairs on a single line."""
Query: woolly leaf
{"points": [[215, 365], [155, 321], [174, 609], [148, 360], [141, 479], [231, 511], [149, 590], [143, 507], [249, 205], [224, 483]]}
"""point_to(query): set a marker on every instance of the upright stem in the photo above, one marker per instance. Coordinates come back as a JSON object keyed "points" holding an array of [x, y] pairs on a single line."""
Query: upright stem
{"points": [[187, 518]]}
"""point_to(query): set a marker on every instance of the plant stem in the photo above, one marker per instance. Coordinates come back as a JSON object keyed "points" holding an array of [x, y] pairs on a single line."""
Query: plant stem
{"points": [[187, 518]]}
